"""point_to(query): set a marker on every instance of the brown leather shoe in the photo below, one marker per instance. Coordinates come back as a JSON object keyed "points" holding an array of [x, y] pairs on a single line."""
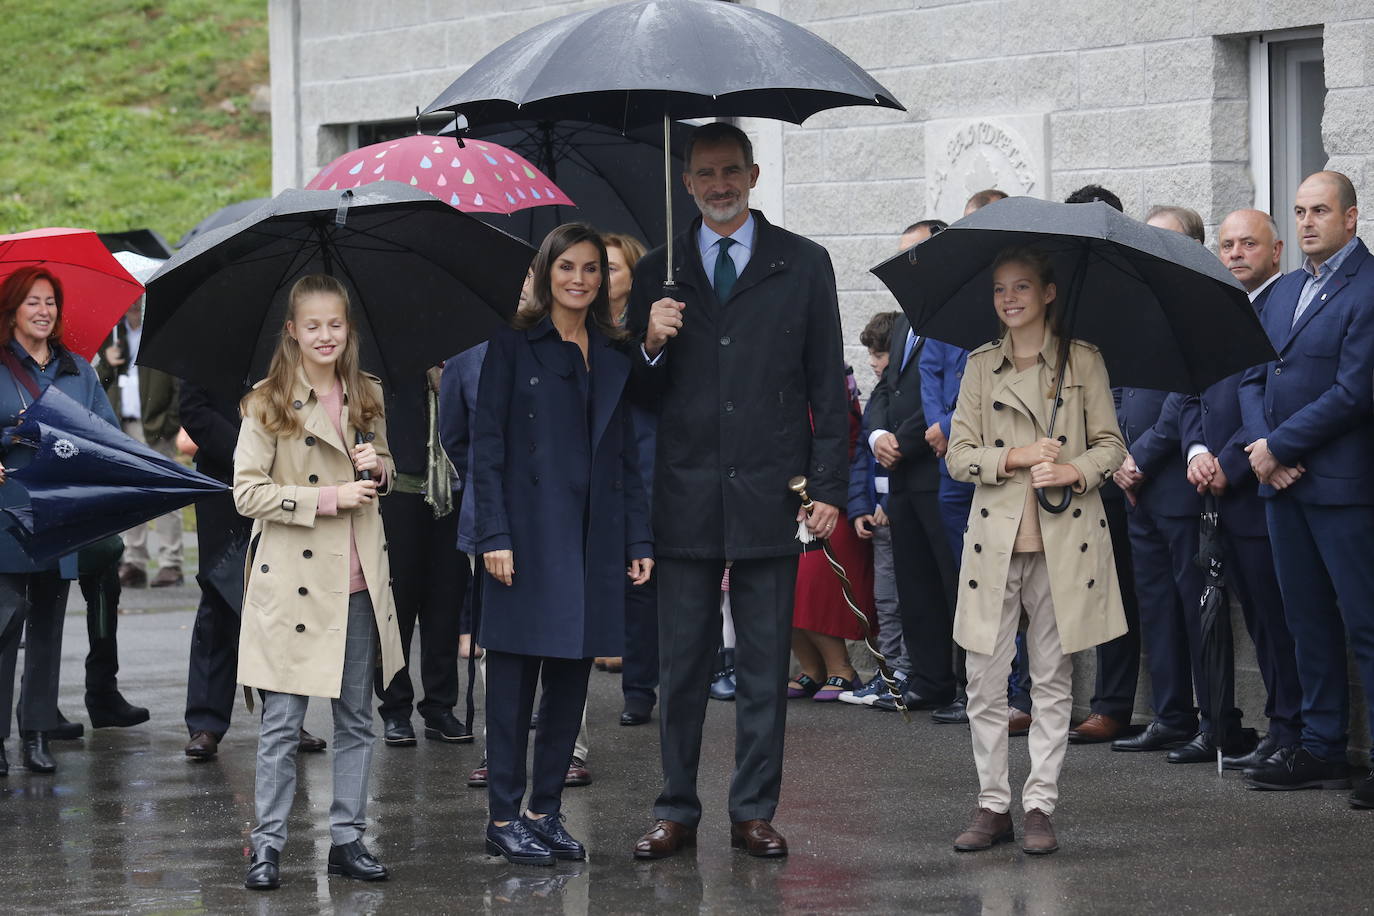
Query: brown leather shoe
{"points": [[1096, 729], [758, 838], [578, 774], [166, 577], [1037, 834], [986, 829], [310, 744], [1018, 722], [668, 838], [477, 779], [202, 746], [130, 576]]}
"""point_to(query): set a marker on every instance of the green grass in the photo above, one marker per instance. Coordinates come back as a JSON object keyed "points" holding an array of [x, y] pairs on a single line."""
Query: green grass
{"points": [[110, 117]]}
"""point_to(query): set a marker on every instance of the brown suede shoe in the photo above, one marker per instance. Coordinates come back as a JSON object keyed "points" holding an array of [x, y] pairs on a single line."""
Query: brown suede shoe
{"points": [[758, 838], [167, 576], [666, 839], [987, 828], [1037, 834], [1096, 729], [1018, 722]]}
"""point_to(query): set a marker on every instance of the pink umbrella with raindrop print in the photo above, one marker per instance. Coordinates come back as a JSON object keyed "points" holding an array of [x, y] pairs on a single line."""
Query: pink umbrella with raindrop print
{"points": [[477, 177]]}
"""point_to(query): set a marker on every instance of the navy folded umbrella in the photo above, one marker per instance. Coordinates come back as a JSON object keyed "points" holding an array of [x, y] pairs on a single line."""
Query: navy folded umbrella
{"points": [[89, 480]]}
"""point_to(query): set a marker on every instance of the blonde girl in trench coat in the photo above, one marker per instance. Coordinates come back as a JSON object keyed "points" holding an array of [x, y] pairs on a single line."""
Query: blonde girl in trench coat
{"points": [[317, 606], [1054, 570]]}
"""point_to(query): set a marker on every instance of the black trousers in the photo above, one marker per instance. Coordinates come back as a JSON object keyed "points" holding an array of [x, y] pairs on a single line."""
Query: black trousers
{"points": [[212, 670], [761, 595], [639, 677], [429, 578], [1250, 561], [1118, 661], [101, 590], [35, 608], [925, 572], [511, 684]]}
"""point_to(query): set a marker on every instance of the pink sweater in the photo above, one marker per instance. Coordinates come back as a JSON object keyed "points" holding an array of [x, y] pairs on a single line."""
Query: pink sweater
{"points": [[329, 496]]}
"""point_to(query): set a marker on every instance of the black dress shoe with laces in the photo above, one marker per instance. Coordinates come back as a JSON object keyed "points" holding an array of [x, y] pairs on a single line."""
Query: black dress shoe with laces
{"points": [[398, 733], [1202, 749], [913, 701], [955, 713], [1155, 737], [1362, 797], [636, 713], [1298, 768], [1262, 752], [445, 726], [550, 831], [518, 844], [34, 753], [352, 860], [264, 873]]}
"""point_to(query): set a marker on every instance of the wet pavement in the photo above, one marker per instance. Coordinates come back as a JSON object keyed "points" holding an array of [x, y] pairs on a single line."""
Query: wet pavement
{"points": [[870, 807]]}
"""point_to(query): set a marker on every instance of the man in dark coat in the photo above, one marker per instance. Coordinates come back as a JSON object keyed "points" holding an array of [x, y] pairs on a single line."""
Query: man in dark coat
{"points": [[743, 357]]}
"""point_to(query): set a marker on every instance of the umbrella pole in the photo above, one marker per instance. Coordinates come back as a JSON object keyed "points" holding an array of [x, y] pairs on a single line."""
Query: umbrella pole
{"points": [[1065, 345], [668, 193]]}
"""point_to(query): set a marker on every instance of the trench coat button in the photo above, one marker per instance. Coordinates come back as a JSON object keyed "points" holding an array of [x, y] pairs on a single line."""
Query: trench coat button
{"points": [[725, 341], [297, 404], [302, 590], [1102, 522], [1063, 440], [975, 469], [307, 553], [263, 567], [997, 371], [983, 512], [300, 628], [996, 405], [1077, 513], [385, 548], [1058, 402], [972, 583], [977, 548], [999, 443], [729, 406], [1082, 548], [534, 380], [730, 472], [309, 440], [1090, 582], [314, 478], [369, 436]]}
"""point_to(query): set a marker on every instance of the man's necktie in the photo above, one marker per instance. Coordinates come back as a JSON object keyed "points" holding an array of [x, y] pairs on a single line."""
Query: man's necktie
{"points": [[725, 274]]}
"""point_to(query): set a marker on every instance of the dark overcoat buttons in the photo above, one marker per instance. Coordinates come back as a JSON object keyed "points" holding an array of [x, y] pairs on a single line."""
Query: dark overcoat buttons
{"points": [[314, 478], [996, 405], [998, 443], [1077, 513], [983, 512], [977, 548], [972, 583], [300, 628], [263, 567], [309, 440], [307, 553], [302, 590], [1082, 548], [297, 404]]}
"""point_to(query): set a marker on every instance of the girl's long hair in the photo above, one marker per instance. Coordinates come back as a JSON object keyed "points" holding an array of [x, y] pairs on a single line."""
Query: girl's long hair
{"points": [[541, 291], [271, 402]]}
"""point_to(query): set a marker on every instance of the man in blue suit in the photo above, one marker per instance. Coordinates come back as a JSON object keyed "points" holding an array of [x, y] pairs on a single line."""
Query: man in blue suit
{"points": [[1215, 441], [1308, 415]]}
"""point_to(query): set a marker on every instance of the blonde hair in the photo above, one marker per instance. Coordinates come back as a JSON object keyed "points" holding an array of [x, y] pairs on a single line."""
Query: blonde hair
{"points": [[271, 403]]}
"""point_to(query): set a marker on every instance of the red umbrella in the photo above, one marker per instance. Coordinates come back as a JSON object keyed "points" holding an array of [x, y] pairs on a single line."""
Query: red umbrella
{"points": [[96, 290], [479, 177]]}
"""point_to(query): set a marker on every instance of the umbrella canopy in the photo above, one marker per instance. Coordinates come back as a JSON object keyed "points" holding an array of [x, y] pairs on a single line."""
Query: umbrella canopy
{"points": [[147, 242], [88, 480], [426, 281], [138, 266], [479, 177], [680, 58], [222, 217], [97, 291], [613, 176], [1218, 649], [1164, 311]]}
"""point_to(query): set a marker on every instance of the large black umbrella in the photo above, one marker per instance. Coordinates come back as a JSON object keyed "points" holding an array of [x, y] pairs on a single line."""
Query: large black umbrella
{"points": [[88, 480], [1218, 649], [225, 215], [613, 176], [660, 61], [426, 282]]}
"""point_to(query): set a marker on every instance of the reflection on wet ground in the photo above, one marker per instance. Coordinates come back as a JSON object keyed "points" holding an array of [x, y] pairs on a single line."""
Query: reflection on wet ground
{"points": [[870, 806]]}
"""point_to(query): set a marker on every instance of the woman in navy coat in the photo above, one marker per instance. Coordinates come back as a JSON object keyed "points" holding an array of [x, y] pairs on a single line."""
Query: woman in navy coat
{"points": [[561, 521]]}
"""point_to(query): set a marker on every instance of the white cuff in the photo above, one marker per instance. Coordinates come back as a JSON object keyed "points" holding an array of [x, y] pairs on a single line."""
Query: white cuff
{"points": [[873, 438], [651, 360], [1197, 448]]}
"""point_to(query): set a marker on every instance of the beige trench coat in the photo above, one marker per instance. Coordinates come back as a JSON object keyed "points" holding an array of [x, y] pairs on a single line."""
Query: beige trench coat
{"points": [[295, 604], [999, 409]]}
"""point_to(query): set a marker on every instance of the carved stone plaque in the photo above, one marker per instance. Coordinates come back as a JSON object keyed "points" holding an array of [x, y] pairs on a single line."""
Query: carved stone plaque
{"points": [[968, 155]]}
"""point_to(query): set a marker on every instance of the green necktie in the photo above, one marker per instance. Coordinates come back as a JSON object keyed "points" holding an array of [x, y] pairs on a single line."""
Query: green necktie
{"points": [[725, 277]]}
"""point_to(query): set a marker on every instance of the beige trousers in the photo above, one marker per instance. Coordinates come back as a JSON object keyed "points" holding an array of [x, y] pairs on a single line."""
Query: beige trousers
{"points": [[1051, 671], [168, 527]]}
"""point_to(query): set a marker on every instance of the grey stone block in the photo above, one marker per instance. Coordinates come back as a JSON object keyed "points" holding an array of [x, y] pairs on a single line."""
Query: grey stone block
{"points": [[1348, 54], [1111, 77], [852, 257], [1348, 121], [1179, 70], [853, 208]]}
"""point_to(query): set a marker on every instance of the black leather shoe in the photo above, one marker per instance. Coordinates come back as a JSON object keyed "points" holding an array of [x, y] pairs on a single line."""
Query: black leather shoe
{"points": [[202, 746], [352, 860], [518, 844], [1155, 737], [264, 872], [550, 831], [1362, 797], [445, 726], [113, 711], [398, 733], [310, 744], [955, 713], [913, 700], [635, 714], [1262, 752], [34, 753], [1298, 768], [66, 731], [4, 761], [1199, 750]]}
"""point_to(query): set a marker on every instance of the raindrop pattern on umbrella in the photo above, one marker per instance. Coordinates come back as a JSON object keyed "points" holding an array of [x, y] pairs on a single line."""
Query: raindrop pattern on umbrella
{"points": [[479, 177]]}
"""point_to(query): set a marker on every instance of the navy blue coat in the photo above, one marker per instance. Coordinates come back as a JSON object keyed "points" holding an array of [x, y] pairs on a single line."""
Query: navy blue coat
{"points": [[1213, 419], [864, 471], [73, 376], [558, 484], [942, 370], [457, 406], [1313, 402], [1150, 425]]}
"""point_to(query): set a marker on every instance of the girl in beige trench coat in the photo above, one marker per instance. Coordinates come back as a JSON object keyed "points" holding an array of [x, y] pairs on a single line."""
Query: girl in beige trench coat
{"points": [[317, 602], [1055, 570]]}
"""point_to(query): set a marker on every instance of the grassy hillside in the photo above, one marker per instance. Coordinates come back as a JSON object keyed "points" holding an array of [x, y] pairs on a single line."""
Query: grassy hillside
{"points": [[113, 114]]}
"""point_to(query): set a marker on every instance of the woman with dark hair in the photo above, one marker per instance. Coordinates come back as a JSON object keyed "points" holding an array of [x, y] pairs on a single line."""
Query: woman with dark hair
{"points": [[1056, 570], [34, 597], [561, 521]]}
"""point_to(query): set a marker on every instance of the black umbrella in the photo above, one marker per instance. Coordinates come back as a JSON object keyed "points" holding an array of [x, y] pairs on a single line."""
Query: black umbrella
{"points": [[612, 174], [88, 480], [426, 282], [221, 217], [661, 61], [1164, 311], [1218, 650]]}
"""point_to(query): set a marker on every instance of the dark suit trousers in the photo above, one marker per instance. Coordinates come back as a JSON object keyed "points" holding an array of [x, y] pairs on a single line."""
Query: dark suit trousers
{"points": [[1250, 571], [1322, 555], [511, 684], [761, 596], [639, 677], [429, 578], [39, 603], [213, 667], [925, 572], [101, 591], [1118, 661]]}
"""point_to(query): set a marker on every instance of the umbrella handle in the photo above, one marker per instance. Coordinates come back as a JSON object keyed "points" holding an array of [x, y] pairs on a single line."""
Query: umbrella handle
{"points": [[1041, 496]]}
